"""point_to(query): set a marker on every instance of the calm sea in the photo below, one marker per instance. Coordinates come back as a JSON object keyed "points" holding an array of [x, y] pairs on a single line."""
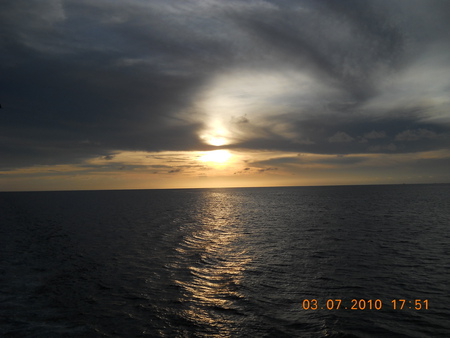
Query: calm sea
{"points": [[260, 262]]}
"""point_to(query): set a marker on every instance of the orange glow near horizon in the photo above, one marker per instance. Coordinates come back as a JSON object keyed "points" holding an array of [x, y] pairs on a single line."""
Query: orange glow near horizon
{"points": [[218, 168]]}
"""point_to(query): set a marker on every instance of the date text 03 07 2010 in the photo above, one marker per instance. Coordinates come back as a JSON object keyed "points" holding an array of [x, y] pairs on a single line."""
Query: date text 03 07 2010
{"points": [[364, 304]]}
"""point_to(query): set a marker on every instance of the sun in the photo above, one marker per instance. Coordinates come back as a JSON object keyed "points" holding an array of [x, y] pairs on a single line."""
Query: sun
{"points": [[216, 156], [215, 138], [217, 141]]}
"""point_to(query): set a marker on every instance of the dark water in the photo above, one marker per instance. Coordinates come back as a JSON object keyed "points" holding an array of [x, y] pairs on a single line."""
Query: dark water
{"points": [[225, 262]]}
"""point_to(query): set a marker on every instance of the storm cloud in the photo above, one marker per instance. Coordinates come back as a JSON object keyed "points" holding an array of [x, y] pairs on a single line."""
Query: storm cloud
{"points": [[86, 79]]}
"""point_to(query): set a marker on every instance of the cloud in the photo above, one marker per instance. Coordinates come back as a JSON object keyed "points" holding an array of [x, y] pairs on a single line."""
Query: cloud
{"points": [[240, 120], [267, 169], [320, 77], [375, 135], [415, 135], [391, 147], [249, 171], [340, 137]]}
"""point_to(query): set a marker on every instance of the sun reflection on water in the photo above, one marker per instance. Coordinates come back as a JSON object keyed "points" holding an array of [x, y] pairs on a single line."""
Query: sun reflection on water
{"points": [[215, 264]]}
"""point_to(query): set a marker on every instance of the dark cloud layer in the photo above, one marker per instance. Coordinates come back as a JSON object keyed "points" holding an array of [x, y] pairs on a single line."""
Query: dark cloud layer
{"points": [[82, 79]]}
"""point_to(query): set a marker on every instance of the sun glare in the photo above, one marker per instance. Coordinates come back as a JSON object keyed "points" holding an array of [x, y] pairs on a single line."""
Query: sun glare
{"points": [[216, 156], [216, 138], [217, 141]]}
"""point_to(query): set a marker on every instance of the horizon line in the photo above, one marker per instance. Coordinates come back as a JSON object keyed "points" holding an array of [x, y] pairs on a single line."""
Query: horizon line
{"points": [[234, 187]]}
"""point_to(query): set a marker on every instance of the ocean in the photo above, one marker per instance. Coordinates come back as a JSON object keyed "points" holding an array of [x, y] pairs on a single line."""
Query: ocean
{"points": [[342, 261]]}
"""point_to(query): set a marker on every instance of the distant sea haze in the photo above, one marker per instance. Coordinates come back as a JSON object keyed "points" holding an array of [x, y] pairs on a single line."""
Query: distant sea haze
{"points": [[347, 261]]}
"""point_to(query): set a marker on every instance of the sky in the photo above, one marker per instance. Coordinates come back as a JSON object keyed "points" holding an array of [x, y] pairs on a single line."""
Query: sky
{"points": [[134, 94]]}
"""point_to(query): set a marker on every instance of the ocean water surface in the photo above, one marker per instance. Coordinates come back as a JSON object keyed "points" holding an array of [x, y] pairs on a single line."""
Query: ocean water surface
{"points": [[250, 262]]}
